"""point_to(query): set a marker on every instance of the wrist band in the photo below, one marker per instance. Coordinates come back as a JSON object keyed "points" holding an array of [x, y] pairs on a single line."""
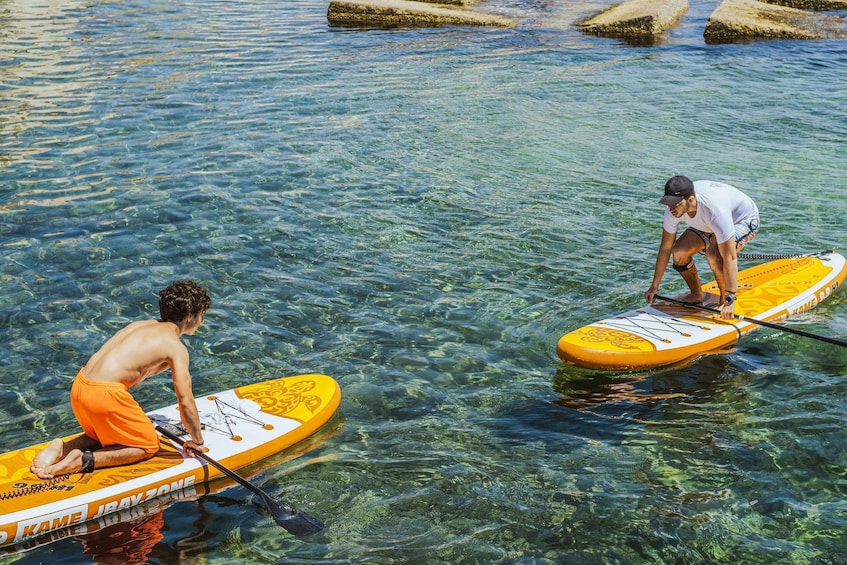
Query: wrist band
{"points": [[87, 462]]}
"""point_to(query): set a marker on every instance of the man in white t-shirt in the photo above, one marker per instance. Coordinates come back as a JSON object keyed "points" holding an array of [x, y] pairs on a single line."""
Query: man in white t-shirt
{"points": [[721, 220]]}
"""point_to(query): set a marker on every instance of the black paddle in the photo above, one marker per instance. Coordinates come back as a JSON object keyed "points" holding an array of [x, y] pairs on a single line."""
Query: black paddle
{"points": [[296, 522], [759, 322]]}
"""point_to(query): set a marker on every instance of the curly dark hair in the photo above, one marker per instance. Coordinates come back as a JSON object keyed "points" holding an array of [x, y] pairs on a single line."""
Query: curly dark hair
{"points": [[181, 300]]}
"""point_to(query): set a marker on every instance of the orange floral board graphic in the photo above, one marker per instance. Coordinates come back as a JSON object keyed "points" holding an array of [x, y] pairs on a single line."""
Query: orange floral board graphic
{"points": [[241, 426], [668, 334]]}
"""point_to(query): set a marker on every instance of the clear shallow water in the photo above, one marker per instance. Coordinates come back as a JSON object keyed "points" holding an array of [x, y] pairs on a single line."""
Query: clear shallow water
{"points": [[422, 214]]}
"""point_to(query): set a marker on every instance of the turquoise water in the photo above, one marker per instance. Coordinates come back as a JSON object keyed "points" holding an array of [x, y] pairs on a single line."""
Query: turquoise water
{"points": [[422, 214]]}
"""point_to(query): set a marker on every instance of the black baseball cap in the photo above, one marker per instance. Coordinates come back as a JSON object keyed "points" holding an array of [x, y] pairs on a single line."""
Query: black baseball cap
{"points": [[676, 189]]}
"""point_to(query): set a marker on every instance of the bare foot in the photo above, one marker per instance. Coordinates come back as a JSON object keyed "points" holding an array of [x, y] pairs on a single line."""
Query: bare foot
{"points": [[47, 457], [72, 463], [693, 298], [711, 299], [49, 462]]}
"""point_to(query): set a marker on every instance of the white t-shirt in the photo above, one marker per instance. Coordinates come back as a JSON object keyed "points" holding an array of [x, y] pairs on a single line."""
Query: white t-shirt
{"points": [[719, 207]]}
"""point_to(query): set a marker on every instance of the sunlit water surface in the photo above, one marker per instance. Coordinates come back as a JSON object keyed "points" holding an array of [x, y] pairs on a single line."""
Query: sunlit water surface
{"points": [[422, 213]]}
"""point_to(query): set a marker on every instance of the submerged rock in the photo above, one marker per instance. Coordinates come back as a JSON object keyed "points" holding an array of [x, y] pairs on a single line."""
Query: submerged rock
{"points": [[750, 19], [451, 2], [818, 5], [636, 17], [408, 13]]}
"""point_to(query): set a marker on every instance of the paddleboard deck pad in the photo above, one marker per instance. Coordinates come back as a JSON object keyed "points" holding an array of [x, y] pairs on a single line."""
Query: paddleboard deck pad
{"points": [[241, 426], [664, 334]]}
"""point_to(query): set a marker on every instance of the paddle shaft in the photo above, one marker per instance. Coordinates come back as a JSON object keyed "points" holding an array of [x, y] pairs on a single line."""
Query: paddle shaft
{"points": [[758, 322], [296, 522], [232, 475]]}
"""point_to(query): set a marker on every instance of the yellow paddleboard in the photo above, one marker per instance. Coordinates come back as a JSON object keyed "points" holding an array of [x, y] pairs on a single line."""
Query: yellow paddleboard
{"points": [[665, 334], [241, 426]]}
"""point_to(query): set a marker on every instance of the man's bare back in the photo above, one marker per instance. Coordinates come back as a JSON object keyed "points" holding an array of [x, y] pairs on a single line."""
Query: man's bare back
{"points": [[138, 351]]}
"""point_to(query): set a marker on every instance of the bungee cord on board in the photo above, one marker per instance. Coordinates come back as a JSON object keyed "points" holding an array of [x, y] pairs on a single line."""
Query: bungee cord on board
{"points": [[775, 256], [26, 488]]}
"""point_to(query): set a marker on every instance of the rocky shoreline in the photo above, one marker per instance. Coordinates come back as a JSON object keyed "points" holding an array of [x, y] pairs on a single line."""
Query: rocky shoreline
{"points": [[732, 20]]}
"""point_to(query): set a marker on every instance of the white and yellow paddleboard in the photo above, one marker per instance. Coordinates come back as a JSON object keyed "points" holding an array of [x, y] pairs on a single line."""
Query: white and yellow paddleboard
{"points": [[666, 334], [241, 426]]}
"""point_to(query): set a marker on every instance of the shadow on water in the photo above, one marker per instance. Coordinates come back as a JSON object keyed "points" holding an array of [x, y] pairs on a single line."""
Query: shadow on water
{"points": [[640, 395], [151, 535], [610, 408]]}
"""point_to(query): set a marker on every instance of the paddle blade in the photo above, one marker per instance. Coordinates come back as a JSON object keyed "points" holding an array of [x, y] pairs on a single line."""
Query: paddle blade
{"points": [[298, 523]]}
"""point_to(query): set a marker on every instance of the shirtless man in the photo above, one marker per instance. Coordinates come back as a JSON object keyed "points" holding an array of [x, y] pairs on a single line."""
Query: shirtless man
{"points": [[116, 431]]}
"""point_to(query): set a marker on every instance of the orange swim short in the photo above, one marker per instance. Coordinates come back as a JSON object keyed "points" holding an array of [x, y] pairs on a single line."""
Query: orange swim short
{"points": [[108, 413]]}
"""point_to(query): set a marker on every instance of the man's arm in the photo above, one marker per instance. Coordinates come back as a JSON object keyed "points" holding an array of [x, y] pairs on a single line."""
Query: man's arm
{"points": [[729, 255], [662, 258], [185, 397]]}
